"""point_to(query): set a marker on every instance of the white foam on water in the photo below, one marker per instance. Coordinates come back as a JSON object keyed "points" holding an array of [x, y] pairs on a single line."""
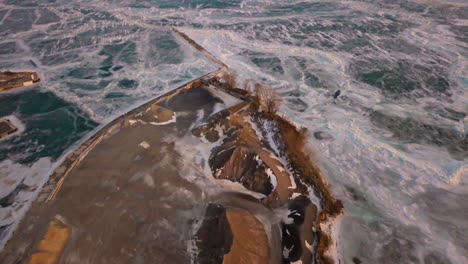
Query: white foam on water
{"points": [[360, 154], [12, 176]]}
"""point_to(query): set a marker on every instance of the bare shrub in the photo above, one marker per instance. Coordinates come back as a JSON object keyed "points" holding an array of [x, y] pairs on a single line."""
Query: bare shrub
{"points": [[248, 86], [272, 100], [230, 78], [267, 97], [258, 95]]}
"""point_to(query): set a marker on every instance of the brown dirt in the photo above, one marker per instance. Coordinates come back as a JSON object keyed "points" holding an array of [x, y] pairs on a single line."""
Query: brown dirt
{"points": [[250, 242], [194, 84], [282, 192]]}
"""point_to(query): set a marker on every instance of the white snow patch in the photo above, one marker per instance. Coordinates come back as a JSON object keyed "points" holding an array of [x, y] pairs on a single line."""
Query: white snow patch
{"points": [[284, 213], [227, 99], [144, 144], [172, 120], [282, 160], [220, 130], [281, 169], [273, 179], [218, 107], [148, 179], [257, 158], [271, 155], [294, 195], [293, 182], [235, 186], [271, 141], [253, 125]]}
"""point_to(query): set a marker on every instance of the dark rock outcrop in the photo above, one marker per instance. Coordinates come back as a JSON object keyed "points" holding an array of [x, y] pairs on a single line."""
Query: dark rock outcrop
{"points": [[241, 164], [214, 238]]}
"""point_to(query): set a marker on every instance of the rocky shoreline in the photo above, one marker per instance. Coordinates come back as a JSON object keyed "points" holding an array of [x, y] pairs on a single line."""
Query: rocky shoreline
{"points": [[265, 153]]}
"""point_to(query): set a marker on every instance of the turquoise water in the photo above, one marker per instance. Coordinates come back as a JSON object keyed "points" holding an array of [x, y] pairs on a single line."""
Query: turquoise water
{"points": [[52, 125], [393, 144]]}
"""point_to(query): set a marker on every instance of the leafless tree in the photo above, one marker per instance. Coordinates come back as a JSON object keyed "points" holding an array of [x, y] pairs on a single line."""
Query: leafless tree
{"points": [[248, 86], [230, 78], [267, 97]]}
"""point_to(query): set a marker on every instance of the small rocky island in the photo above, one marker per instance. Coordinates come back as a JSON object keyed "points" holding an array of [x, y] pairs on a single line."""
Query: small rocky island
{"points": [[208, 173]]}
